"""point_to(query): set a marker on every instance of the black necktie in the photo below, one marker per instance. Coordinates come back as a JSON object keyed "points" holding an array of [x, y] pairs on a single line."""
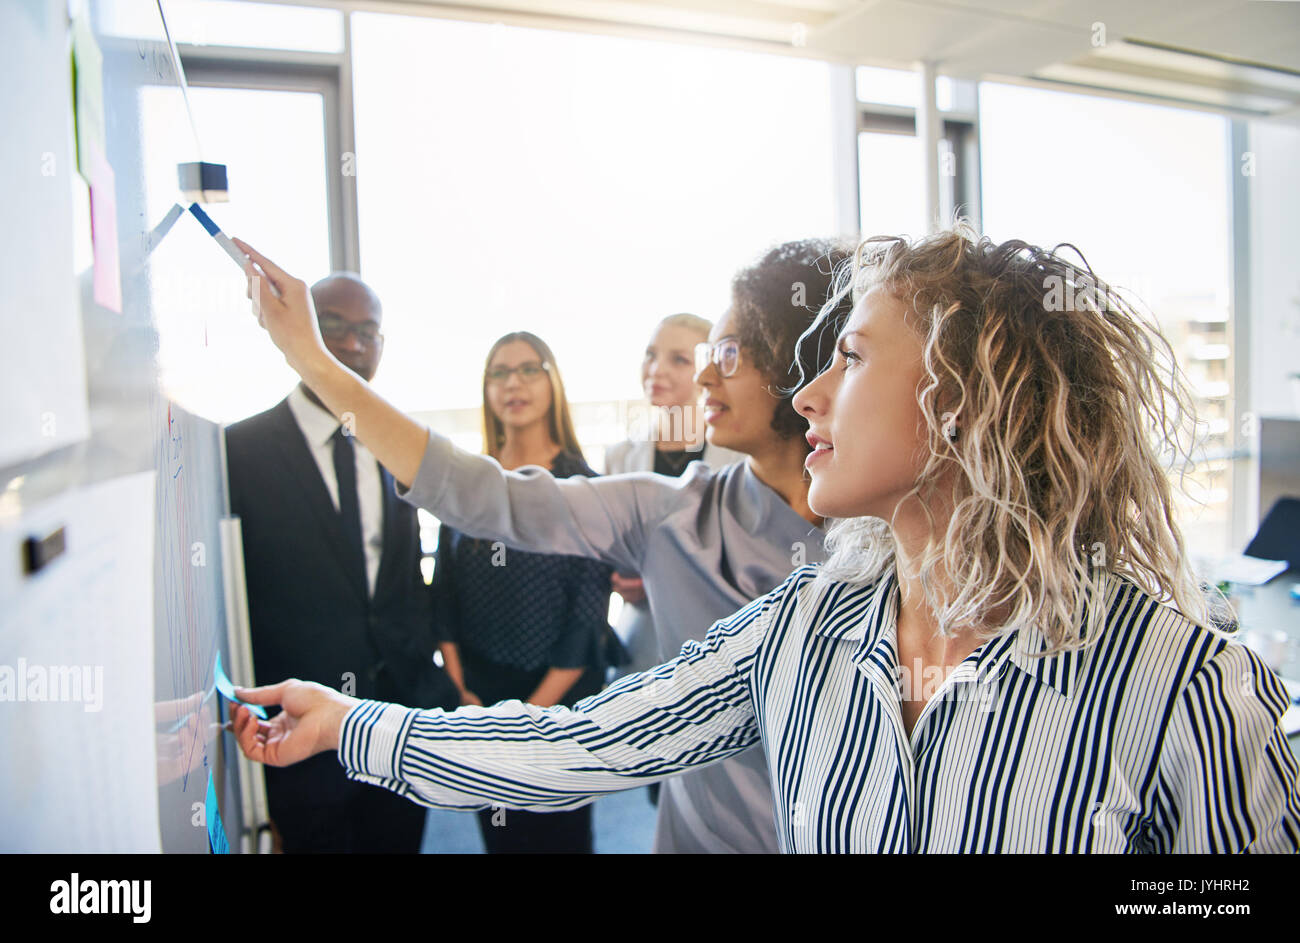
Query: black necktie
{"points": [[345, 473]]}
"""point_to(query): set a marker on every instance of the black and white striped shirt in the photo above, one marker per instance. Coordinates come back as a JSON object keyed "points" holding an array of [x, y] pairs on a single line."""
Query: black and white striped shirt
{"points": [[1161, 736]]}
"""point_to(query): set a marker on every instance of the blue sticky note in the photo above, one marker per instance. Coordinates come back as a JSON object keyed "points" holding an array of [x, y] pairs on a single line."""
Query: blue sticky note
{"points": [[217, 840], [228, 690]]}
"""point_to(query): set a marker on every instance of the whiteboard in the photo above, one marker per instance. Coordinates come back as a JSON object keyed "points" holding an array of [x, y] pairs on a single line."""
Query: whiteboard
{"points": [[43, 385], [131, 426]]}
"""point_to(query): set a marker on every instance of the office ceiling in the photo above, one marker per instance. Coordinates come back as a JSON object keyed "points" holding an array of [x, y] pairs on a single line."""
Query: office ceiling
{"points": [[1240, 56]]}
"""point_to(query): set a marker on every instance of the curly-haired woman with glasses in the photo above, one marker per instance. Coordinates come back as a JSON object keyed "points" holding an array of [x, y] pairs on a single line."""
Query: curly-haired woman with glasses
{"points": [[1006, 652], [704, 544]]}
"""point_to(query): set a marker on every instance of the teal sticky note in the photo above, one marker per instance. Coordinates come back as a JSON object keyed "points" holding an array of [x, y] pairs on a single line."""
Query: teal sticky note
{"points": [[217, 841], [227, 689]]}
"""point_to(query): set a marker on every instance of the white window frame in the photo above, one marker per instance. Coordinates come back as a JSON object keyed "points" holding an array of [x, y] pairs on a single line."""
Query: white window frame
{"points": [[326, 74]]}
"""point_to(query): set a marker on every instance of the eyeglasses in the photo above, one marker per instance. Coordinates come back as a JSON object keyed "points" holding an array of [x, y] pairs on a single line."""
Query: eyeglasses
{"points": [[725, 355], [336, 329], [528, 372]]}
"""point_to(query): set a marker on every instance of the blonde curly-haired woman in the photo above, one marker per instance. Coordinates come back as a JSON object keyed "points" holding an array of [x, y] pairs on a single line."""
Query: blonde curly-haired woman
{"points": [[1006, 650]]}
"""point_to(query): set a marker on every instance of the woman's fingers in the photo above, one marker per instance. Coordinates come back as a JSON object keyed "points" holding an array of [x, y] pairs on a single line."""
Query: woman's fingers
{"points": [[246, 734], [259, 739], [277, 276], [268, 694], [283, 306], [255, 278], [266, 280]]}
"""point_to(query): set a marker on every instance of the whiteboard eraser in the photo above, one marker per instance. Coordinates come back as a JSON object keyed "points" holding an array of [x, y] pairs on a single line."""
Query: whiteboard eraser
{"points": [[202, 182], [39, 551]]}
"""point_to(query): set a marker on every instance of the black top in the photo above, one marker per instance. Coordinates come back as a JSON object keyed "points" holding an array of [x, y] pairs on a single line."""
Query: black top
{"points": [[528, 611], [673, 463]]}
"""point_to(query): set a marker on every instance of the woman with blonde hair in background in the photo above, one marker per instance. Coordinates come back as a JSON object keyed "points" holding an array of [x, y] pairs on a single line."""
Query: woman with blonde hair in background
{"points": [[968, 673], [674, 436]]}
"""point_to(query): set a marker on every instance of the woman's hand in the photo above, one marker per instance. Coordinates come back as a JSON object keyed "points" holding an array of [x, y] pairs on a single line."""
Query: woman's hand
{"points": [[309, 723], [284, 307], [469, 697], [631, 588]]}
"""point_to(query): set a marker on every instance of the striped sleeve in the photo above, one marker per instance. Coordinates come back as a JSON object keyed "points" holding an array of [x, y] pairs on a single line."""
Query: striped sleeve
{"points": [[1228, 776], [694, 710]]}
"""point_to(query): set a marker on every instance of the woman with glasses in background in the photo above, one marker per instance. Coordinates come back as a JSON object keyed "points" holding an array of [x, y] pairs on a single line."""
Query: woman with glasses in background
{"points": [[704, 544], [671, 437], [518, 625]]}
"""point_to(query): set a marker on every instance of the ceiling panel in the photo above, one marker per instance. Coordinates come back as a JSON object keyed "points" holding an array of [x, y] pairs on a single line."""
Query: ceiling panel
{"points": [[1027, 39]]}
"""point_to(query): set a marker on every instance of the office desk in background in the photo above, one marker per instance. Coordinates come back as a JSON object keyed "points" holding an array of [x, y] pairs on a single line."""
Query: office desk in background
{"points": [[1270, 608]]}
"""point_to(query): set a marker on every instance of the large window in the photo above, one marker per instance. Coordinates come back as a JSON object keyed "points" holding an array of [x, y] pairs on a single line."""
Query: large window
{"points": [[891, 184], [581, 187], [1143, 192], [214, 358]]}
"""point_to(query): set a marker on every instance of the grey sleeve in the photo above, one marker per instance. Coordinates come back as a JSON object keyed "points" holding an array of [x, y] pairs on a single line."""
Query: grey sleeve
{"points": [[529, 509]]}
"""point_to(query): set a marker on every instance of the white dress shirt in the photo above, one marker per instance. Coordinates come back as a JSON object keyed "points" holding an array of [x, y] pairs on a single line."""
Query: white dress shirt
{"points": [[318, 426], [1160, 736]]}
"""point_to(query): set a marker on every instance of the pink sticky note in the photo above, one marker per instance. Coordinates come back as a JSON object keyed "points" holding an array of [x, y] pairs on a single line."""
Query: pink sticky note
{"points": [[103, 233]]}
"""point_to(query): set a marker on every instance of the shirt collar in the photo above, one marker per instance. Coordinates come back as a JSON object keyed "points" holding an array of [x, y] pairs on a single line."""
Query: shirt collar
{"points": [[867, 614], [760, 509], [317, 423], [854, 612], [1057, 671]]}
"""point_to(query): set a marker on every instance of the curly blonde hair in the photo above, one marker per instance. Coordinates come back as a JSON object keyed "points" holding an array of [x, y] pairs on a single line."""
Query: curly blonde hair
{"points": [[1058, 405]]}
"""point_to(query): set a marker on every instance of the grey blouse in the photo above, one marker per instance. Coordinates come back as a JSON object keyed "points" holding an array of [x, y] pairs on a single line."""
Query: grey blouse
{"points": [[705, 544]]}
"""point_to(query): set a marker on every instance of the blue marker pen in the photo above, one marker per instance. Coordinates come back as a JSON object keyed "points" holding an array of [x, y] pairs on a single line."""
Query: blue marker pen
{"points": [[223, 240], [215, 232]]}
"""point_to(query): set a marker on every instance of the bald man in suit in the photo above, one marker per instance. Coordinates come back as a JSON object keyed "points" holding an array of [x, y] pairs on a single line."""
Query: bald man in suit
{"points": [[335, 593]]}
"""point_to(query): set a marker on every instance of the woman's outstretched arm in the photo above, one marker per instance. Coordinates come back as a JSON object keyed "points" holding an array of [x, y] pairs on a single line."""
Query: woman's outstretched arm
{"points": [[531, 510], [284, 307], [696, 709]]}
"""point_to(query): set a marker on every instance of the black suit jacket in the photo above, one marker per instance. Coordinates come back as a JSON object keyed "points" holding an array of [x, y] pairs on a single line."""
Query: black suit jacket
{"points": [[309, 612]]}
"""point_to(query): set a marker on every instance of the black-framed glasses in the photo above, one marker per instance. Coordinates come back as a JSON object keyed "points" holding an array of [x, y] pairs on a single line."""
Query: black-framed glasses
{"points": [[336, 329], [528, 372], [725, 355]]}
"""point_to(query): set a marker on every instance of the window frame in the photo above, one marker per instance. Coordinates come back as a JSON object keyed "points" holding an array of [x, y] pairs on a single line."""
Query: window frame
{"points": [[326, 74], [958, 131]]}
